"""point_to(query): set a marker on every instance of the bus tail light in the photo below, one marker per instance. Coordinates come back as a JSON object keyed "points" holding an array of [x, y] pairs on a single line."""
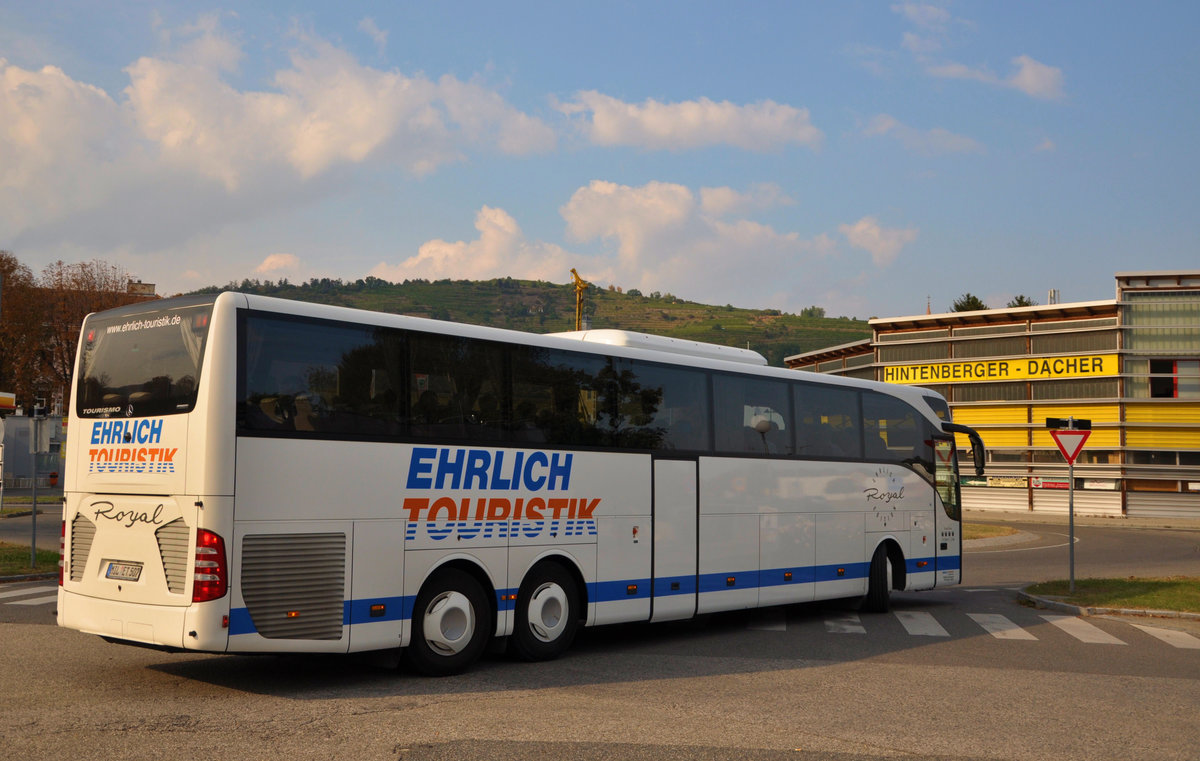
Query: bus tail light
{"points": [[62, 551], [211, 572]]}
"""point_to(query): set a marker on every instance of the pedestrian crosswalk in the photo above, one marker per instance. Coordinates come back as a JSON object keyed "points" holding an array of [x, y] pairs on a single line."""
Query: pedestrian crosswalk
{"points": [[919, 623], [36, 595], [916, 623]]}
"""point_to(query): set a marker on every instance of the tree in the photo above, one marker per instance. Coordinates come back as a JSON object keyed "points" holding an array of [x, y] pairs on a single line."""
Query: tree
{"points": [[1022, 300], [69, 292], [20, 325], [968, 302], [812, 311], [40, 319]]}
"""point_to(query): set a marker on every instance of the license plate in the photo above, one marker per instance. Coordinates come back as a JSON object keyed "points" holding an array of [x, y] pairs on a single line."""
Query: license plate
{"points": [[123, 571]]}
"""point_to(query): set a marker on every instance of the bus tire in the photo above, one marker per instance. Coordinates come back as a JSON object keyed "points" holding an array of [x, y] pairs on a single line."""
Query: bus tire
{"points": [[879, 582], [450, 624], [547, 618]]}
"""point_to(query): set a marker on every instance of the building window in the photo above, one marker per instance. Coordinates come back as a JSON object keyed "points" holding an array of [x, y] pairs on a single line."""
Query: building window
{"points": [[990, 392], [1175, 378], [998, 457], [1152, 458], [991, 347], [914, 352], [1150, 484], [1063, 343]]}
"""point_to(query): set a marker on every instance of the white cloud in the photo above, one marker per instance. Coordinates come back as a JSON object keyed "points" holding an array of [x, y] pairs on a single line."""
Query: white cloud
{"points": [[501, 250], [64, 145], [379, 36], [1031, 77], [278, 263], [187, 151], [328, 111], [934, 142], [657, 236], [667, 241], [932, 21], [923, 14], [762, 126], [718, 202], [1036, 79], [934, 30], [882, 243]]}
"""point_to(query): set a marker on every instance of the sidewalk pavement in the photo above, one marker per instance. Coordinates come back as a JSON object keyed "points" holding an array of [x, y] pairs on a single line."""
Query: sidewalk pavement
{"points": [[1061, 519]]}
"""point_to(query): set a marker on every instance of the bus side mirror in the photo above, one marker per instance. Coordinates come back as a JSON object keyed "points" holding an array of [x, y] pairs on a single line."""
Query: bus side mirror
{"points": [[977, 452]]}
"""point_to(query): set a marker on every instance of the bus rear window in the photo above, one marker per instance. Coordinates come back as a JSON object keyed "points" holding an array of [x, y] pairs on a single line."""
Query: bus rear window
{"points": [[141, 364]]}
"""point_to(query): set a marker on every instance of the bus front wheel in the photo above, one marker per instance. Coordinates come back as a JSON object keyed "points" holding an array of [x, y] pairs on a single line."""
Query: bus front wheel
{"points": [[450, 624], [546, 614], [879, 582]]}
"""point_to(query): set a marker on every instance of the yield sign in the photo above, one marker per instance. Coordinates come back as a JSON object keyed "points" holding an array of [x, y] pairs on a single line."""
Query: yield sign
{"points": [[1070, 443]]}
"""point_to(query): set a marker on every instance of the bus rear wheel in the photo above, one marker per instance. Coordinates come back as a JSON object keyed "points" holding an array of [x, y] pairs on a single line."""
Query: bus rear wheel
{"points": [[450, 624], [547, 618]]}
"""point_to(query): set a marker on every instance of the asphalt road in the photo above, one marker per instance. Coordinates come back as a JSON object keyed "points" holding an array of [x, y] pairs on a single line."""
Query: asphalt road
{"points": [[818, 681], [19, 528]]}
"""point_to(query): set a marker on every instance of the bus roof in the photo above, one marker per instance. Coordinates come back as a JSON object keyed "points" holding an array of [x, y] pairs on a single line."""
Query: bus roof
{"points": [[666, 344]]}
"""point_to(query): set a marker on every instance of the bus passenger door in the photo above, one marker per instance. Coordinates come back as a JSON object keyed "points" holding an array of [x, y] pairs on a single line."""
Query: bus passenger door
{"points": [[675, 504], [947, 517]]}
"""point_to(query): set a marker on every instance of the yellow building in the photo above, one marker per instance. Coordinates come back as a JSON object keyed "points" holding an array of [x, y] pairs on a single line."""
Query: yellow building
{"points": [[1130, 365]]}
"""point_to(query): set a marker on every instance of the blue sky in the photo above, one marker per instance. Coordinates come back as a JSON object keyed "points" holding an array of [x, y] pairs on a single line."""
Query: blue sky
{"points": [[858, 156]]}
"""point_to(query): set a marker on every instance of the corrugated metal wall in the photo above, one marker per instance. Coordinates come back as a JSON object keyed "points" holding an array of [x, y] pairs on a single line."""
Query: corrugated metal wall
{"points": [[1162, 505]]}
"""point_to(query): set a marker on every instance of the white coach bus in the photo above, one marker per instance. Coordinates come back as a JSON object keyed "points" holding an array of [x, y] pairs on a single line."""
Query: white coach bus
{"points": [[247, 474]]}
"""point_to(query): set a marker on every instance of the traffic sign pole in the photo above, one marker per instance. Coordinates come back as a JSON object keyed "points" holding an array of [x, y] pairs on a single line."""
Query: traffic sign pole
{"points": [[1070, 442], [1071, 519]]}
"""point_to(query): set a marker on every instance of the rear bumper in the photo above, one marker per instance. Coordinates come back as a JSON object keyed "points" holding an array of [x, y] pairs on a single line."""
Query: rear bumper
{"points": [[193, 627]]}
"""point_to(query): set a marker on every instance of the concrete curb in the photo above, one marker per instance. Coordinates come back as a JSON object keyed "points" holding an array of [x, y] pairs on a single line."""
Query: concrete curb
{"points": [[1078, 610]]}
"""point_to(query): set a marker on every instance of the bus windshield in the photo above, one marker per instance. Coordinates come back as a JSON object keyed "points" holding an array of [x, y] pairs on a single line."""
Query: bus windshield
{"points": [[141, 364]]}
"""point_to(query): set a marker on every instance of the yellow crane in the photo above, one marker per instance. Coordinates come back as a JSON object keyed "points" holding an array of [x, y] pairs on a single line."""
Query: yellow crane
{"points": [[581, 287]]}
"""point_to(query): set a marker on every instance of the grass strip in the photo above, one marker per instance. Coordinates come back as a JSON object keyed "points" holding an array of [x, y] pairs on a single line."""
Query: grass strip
{"points": [[986, 531], [1178, 593], [14, 560]]}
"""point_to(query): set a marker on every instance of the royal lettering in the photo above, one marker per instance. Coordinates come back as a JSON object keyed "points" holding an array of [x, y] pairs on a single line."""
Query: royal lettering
{"points": [[127, 518]]}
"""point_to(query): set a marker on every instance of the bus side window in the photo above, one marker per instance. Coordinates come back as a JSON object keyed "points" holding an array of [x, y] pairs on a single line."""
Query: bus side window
{"points": [[827, 421], [895, 432], [557, 396], [456, 388], [657, 407], [752, 415]]}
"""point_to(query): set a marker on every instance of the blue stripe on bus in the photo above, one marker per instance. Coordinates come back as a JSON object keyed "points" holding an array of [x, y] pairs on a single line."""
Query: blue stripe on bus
{"points": [[394, 609], [614, 591], [911, 564], [949, 562], [401, 608], [669, 586], [721, 582]]}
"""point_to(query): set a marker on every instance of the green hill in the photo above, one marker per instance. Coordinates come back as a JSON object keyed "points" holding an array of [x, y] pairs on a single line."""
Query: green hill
{"points": [[541, 307]]}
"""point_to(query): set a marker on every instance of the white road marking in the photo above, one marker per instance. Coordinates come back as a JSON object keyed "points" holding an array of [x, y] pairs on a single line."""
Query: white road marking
{"points": [[921, 624], [1000, 627], [35, 601], [1171, 637], [1082, 630], [25, 591], [847, 624]]}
